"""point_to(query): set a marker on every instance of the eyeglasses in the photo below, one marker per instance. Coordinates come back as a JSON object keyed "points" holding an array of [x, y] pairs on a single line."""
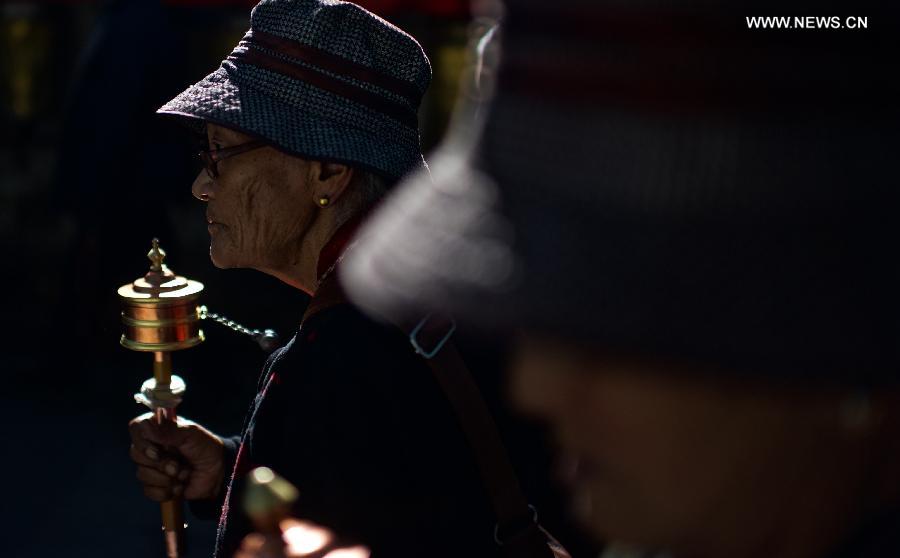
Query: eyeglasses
{"points": [[211, 157]]}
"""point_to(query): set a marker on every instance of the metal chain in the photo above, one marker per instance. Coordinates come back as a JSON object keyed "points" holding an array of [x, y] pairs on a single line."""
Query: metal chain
{"points": [[267, 339], [206, 314]]}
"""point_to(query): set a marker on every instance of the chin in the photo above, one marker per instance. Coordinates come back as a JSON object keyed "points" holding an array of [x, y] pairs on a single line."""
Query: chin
{"points": [[221, 259]]}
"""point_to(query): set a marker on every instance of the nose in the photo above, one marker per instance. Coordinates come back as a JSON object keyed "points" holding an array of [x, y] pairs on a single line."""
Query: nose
{"points": [[202, 187]]}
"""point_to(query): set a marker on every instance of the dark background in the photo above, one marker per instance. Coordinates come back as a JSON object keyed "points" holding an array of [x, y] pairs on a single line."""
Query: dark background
{"points": [[88, 175]]}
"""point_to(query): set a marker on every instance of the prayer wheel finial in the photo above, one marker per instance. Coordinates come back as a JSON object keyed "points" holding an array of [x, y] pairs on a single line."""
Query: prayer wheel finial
{"points": [[159, 278], [156, 255]]}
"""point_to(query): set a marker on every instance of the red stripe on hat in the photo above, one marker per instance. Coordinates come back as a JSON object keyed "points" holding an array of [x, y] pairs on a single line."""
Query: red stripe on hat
{"points": [[260, 59], [334, 64]]}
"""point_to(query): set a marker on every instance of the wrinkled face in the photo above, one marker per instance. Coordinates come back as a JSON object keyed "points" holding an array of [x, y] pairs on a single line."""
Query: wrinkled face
{"points": [[698, 465], [259, 207]]}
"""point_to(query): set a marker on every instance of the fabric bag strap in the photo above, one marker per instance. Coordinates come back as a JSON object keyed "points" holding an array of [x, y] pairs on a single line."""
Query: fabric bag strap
{"points": [[517, 530]]}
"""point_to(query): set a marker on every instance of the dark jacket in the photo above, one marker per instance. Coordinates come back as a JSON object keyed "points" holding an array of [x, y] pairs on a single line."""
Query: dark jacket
{"points": [[353, 417]]}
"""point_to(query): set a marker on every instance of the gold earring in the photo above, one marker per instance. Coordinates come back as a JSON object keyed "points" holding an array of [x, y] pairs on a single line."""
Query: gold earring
{"points": [[324, 201]]}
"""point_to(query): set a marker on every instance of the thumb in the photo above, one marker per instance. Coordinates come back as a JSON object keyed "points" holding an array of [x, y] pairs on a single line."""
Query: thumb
{"points": [[194, 441]]}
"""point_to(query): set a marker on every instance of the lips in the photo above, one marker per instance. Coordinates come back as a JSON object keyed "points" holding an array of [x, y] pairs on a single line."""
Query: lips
{"points": [[212, 225]]}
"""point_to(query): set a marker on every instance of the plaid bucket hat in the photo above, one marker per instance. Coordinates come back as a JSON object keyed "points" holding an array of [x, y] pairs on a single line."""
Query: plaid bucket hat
{"points": [[320, 79], [663, 180]]}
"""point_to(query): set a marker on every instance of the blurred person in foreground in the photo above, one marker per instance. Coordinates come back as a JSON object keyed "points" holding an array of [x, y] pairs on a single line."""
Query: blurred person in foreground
{"points": [[308, 122], [267, 501], [695, 242]]}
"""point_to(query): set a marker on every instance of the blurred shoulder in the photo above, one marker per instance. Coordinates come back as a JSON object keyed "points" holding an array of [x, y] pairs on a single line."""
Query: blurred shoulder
{"points": [[344, 324], [342, 337]]}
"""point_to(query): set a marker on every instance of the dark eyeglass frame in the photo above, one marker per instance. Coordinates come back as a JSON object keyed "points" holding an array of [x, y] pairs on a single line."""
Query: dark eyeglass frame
{"points": [[211, 157]]}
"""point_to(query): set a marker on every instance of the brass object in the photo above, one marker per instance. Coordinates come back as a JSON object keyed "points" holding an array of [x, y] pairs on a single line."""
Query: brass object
{"points": [[160, 311], [160, 314], [268, 498]]}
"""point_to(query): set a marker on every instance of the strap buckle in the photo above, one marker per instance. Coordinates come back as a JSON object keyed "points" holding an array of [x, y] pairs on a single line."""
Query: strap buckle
{"points": [[517, 528], [417, 345]]}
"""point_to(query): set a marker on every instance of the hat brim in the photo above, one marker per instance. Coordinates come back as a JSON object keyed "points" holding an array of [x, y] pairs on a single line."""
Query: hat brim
{"points": [[222, 99]]}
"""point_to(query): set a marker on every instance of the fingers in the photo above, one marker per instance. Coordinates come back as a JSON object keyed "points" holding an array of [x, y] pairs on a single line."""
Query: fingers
{"points": [[162, 462], [185, 459], [146, 446], [159, 484], [148, 438], [149, 455], [146, 455], [152, 477], [185, 437], [163, 478]]}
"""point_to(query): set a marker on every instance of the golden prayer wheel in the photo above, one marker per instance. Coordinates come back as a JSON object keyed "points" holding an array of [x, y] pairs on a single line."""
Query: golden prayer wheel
{"points": [[160, 311], [160, 315]]}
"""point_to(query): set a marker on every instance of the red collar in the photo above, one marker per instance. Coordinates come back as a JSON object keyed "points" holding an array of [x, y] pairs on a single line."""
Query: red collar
{"points": [[336, 246]]}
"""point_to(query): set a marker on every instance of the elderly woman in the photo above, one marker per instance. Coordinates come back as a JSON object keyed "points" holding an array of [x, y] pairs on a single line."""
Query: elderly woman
{"points": [[308, 121], [700, 267]]}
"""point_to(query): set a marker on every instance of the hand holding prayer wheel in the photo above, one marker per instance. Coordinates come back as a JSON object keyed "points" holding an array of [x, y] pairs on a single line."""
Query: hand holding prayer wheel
{"points": [[160, 315], [176, 459]]}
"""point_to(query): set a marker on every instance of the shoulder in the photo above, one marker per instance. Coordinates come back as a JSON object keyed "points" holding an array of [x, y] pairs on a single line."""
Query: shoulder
{"points": [[343, 326], [349, 343]]}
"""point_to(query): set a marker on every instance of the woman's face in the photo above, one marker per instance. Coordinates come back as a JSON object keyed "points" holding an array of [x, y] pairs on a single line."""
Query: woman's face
{"points": [[697, 465], [260, 206]]}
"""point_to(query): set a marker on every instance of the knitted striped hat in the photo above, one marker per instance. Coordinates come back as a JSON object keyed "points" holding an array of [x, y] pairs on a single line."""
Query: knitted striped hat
{"points": [[321, 79]]}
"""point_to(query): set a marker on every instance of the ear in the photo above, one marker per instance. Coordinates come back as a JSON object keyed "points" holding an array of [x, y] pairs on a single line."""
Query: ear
{"points": [[329, 180]]}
